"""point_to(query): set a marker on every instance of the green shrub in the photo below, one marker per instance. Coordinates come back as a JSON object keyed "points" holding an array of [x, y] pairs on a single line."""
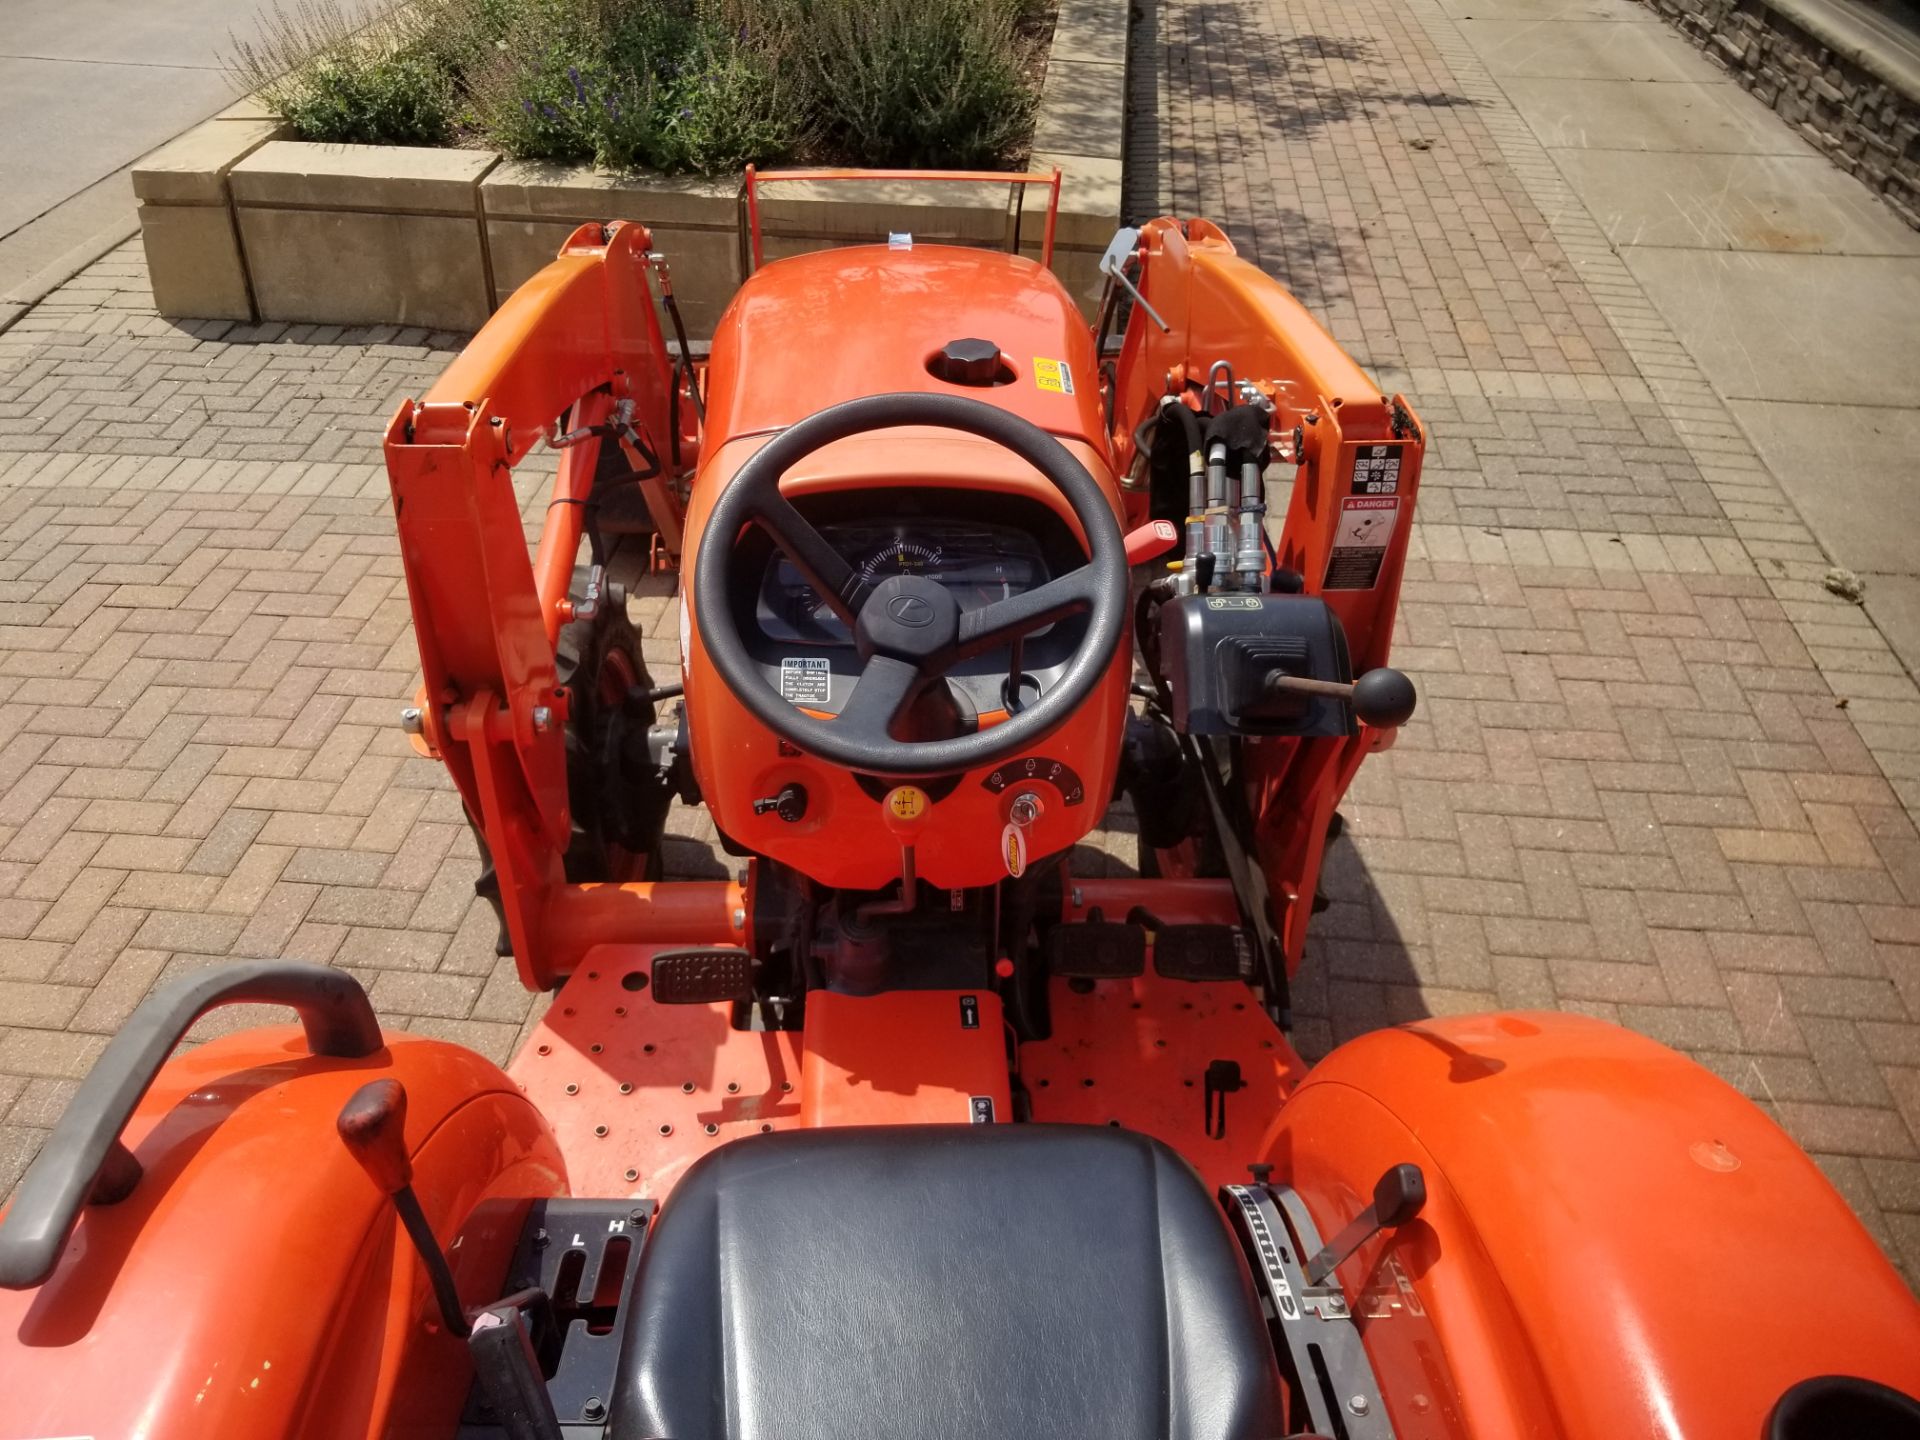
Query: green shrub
{"points": [[700, 85], [555, 89], [924, 83], [728, 108], [374, 86]]}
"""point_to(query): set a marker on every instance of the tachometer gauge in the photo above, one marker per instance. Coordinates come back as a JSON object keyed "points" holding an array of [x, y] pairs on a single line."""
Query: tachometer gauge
{"points": [[900, 557]]}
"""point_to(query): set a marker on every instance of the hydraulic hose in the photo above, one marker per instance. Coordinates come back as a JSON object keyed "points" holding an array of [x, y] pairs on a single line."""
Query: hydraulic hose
{"points": [[1250, 561], [1189, 424]]}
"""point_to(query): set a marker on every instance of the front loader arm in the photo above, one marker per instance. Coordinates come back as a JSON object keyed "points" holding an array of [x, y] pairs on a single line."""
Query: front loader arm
{"points": [[1217, 307], [579, 340]]}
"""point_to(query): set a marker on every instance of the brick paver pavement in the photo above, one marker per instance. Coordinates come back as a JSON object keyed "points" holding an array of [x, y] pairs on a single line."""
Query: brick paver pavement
{"points": [[1659, 774]]}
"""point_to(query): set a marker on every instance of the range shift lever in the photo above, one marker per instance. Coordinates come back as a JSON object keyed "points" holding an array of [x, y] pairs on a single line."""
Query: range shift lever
{"points": [[373, 1125], [1397, 1198]]}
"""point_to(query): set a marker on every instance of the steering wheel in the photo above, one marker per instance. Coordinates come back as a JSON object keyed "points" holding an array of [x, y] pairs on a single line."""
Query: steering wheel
{"points": [[908, 629]]}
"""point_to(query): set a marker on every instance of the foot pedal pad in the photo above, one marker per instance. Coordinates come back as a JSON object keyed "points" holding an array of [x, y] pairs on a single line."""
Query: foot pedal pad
{"points": [[1097, 950], [1201, 952], [703, 976]]}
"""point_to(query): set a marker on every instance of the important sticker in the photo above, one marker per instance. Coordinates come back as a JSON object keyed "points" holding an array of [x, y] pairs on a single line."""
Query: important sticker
{"points": [[1054, 375], [1360, 541], [1376, 470], [805, 680]]}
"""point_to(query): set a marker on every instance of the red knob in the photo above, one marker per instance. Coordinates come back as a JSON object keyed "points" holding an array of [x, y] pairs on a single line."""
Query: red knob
{"points": [[373, 1125]]}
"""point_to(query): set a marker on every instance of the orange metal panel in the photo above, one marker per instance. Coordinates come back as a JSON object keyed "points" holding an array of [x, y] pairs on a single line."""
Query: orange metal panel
{"points": [[907, 1057], [637, 1091], [1613, 1237], [1134, 1053], [252, 1284], [809, 332]]}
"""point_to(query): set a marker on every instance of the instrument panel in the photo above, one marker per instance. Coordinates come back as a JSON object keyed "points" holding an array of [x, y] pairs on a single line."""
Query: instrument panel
{"points": [[978, 563]]}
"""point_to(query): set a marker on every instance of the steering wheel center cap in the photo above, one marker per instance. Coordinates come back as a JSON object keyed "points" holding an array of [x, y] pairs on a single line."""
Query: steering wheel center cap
{"points": [[909, 617], [911, 610]]}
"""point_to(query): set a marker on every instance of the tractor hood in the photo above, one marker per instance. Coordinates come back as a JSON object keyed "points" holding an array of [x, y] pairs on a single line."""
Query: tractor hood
{"points": [[807, 333]]}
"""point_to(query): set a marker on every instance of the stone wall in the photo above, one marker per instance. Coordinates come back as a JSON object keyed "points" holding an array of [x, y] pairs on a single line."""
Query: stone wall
{"points": [[1850, 93]]}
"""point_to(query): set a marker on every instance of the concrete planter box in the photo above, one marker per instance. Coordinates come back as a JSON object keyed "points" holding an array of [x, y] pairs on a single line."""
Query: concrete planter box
{"points": [[241, 224], [530, 207], [364, 234], [186, 218]]}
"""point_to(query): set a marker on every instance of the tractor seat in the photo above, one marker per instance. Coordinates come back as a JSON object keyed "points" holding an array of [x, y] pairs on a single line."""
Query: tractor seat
{"points": [[944, 1281]]}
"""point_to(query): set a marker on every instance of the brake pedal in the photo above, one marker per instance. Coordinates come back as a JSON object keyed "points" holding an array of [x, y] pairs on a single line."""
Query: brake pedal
{"points": [[1097, 950], [702, 976], [1201, 952]]}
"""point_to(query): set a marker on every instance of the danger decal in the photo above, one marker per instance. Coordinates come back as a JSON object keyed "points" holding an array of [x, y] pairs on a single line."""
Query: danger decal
{"points": [[1360, 541]]}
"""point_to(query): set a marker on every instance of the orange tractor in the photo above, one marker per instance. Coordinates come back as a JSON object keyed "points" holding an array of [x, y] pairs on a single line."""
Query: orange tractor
{"points": [[898, 1126]]}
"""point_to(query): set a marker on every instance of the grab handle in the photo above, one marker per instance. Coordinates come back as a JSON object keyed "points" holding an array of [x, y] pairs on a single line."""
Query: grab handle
{"points": [[83, 1160]]}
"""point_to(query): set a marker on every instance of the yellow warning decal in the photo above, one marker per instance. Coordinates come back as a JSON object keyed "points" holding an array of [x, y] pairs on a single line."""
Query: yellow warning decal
{"points": [[907, 802], [1054, 375]]}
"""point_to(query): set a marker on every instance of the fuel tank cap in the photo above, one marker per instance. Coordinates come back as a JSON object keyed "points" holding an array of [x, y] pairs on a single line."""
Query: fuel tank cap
{"points": [[968, 362]]}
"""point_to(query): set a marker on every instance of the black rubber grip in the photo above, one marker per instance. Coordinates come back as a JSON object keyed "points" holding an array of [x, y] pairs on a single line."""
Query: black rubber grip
{"points": [[83, 1158]]}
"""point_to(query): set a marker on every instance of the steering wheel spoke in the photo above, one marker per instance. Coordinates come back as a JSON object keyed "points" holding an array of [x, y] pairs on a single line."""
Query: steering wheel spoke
{"points": [[1003, 621], [833, 578], [879, 695]]}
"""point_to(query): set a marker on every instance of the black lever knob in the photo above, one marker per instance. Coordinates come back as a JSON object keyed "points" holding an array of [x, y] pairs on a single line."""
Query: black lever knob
{"points": [[1398, 1196], [1384, 698]]}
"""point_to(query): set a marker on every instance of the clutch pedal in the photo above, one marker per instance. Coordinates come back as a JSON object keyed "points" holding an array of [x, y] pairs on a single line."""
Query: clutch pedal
{"points": [[1201, 952], [1097, 950], [702, 976]]}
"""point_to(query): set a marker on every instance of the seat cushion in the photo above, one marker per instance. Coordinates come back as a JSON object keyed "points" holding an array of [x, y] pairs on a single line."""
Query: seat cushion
{"points": [[997, 1281]]}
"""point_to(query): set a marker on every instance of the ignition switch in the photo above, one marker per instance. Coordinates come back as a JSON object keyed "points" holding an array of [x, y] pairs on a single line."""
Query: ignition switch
{"points": [[1025, 809], [790, 804]]}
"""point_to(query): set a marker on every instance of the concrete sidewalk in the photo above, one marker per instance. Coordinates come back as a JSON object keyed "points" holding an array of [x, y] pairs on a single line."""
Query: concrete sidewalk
{"points": [[87, 87], [1795, 291]]}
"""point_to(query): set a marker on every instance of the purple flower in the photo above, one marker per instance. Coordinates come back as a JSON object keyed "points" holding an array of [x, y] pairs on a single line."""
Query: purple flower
{"points": [[579, 90], [527, 105], [686, 114], [549, 112]]}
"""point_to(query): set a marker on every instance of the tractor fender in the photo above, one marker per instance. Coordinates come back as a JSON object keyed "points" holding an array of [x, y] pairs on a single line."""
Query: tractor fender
{"points": [[255, 1282], [1615, 1242]]}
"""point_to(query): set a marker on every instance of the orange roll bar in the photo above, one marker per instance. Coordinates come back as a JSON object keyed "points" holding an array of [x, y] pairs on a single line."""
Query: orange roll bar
{"points": [[755, 178]]}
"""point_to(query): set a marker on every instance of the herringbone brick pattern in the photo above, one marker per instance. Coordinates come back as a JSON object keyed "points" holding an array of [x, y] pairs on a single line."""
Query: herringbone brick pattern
{"points": [[1658, 773]]}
